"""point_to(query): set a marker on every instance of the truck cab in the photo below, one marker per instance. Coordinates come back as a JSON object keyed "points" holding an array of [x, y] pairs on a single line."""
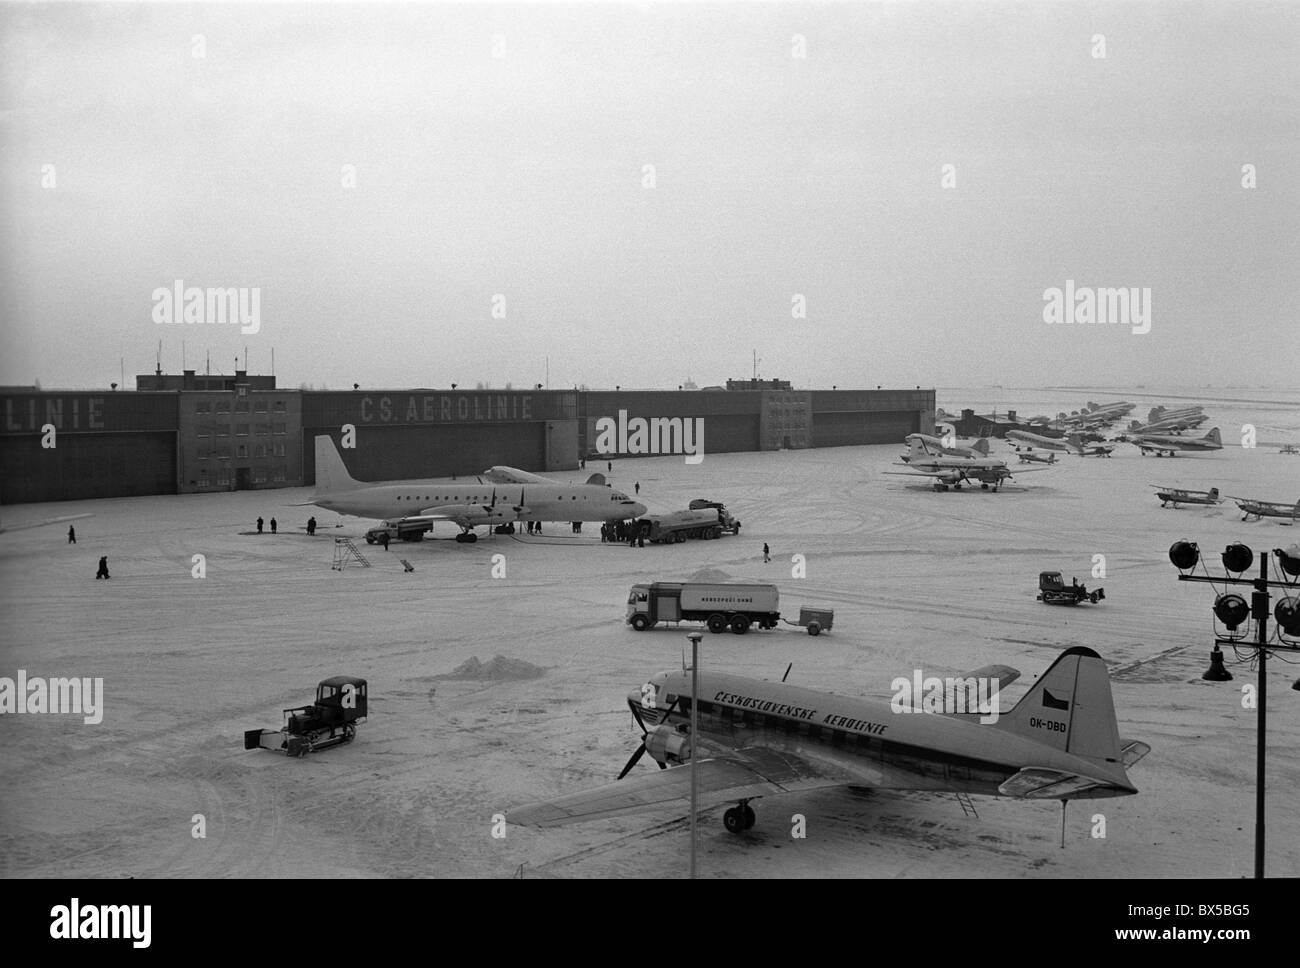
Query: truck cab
{"points": [[638, 602]]}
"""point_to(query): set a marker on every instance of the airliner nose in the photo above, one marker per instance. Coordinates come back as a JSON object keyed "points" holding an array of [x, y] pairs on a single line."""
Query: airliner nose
{"points": [[638, 509]]}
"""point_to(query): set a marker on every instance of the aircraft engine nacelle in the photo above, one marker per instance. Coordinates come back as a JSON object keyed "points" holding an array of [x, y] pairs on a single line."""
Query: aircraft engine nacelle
{"points": [[667, 745], [480, 514]]}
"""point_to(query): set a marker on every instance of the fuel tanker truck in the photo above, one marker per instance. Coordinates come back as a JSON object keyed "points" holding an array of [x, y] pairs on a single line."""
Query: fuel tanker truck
{"points": [[719, 606], [704, 519]]}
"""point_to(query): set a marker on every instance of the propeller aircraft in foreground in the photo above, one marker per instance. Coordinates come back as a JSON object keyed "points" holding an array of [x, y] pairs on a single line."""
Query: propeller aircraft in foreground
{"points": [[760, 738]]}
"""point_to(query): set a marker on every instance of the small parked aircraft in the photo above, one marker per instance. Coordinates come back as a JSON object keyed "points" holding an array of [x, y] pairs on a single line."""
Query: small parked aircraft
{"points": [[1034, 457], [1267, 509], [760, 738], [1168, 445], [1176, 495], [935, 446], [954, 471]]}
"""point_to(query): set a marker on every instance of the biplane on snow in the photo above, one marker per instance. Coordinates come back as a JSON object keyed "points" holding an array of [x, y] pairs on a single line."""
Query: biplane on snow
{"points": [[1174, 496]]}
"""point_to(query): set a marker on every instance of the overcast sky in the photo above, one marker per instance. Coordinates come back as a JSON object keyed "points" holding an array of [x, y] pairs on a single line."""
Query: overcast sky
{"points": [[382, 174]]}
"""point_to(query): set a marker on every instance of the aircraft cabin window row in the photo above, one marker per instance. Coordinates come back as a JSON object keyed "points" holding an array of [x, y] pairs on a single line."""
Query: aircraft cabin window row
{"points": [[728, 716]]}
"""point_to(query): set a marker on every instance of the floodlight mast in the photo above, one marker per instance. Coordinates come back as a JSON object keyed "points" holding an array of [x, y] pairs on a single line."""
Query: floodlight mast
{"points": [[1182, 552], [695, 722]]}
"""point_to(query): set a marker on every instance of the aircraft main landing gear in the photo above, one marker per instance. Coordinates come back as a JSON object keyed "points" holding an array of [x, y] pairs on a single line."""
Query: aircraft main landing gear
{"points": [[739, 818], [467, 537]]}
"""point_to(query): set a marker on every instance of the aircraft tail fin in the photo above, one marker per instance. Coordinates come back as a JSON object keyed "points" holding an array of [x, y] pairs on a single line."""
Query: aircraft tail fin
{"points": [[1213, 437], [1214, 492], [1070, 708], [597, 479], [331, 473], [981, 445], [916, 449]]}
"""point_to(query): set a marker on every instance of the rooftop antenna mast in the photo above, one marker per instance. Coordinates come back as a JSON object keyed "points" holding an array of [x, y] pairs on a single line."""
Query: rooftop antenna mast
{"points": [[755, 364]]}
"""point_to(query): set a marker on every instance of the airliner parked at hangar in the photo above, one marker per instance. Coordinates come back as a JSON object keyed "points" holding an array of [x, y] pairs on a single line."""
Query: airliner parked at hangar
{"points": [[759, 738], [414, 505]]}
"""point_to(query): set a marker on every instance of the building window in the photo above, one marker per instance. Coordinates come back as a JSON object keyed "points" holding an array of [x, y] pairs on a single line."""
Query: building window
{"points": [[279, 406], [242, 391], [203, 454], [204, 430], [241, 406], [259, 404], [263, 429], [241, 450], [281, 427], [241, 430], [222, 430], [202, 407], [223, 406], [279, 449], [203, 478], [259, 450], [279, 475], [259, 476], [222, 453]]}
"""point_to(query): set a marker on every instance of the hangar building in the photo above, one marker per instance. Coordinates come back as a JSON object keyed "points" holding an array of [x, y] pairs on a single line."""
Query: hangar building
{"points": [[194, 433]]}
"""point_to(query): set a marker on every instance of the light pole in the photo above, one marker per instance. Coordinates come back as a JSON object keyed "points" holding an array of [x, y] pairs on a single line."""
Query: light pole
{"points": [[1231, 610], [695, 722]]}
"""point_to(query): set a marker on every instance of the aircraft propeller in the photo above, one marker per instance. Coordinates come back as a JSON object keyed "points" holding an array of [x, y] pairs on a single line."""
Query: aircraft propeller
{"points": [[640, 750]]}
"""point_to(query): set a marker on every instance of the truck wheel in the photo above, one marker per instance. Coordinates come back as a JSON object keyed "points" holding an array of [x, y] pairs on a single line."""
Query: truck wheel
{"points": [[715, 532], [640, 622], [814, 628], [369, 540], [681, 536], [739, 624], [717, 622]]}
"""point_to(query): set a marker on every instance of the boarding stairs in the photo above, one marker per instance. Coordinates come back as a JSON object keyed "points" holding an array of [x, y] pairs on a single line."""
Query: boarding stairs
{"points": [[345, 551], [967, 805]]}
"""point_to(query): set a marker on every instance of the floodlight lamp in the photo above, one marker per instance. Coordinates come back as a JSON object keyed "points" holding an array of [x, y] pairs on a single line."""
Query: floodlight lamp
{"points": [[1237, 557], [1289, 558], [1287, 615], [1184, 555], [1231, 610]]}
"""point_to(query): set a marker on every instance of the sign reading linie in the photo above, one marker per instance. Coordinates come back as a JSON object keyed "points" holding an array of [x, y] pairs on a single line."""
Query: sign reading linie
{"points": [[798, 712], [70, 413], [447, 408]]}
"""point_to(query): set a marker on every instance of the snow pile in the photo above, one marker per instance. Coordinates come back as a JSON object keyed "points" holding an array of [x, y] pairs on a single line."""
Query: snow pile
{"points": [[711, 575], [498, 669]]}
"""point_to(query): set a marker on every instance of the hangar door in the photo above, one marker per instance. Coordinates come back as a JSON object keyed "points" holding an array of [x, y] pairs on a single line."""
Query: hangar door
{"points": [[843, 428]]}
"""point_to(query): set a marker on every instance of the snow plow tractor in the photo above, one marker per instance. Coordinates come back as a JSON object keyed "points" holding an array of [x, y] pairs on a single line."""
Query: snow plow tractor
{"points": [[332, 719], [1054, 591]]}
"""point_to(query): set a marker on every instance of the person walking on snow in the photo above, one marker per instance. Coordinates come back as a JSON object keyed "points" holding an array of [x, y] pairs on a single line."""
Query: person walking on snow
{"points": [[103, 569], [72, 535], [767, 556]]}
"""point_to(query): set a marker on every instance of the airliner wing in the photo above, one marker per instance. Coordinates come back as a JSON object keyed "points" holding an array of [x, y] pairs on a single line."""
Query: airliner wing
{"points": [[737, 775], [41, 524], [1004, 674]]}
